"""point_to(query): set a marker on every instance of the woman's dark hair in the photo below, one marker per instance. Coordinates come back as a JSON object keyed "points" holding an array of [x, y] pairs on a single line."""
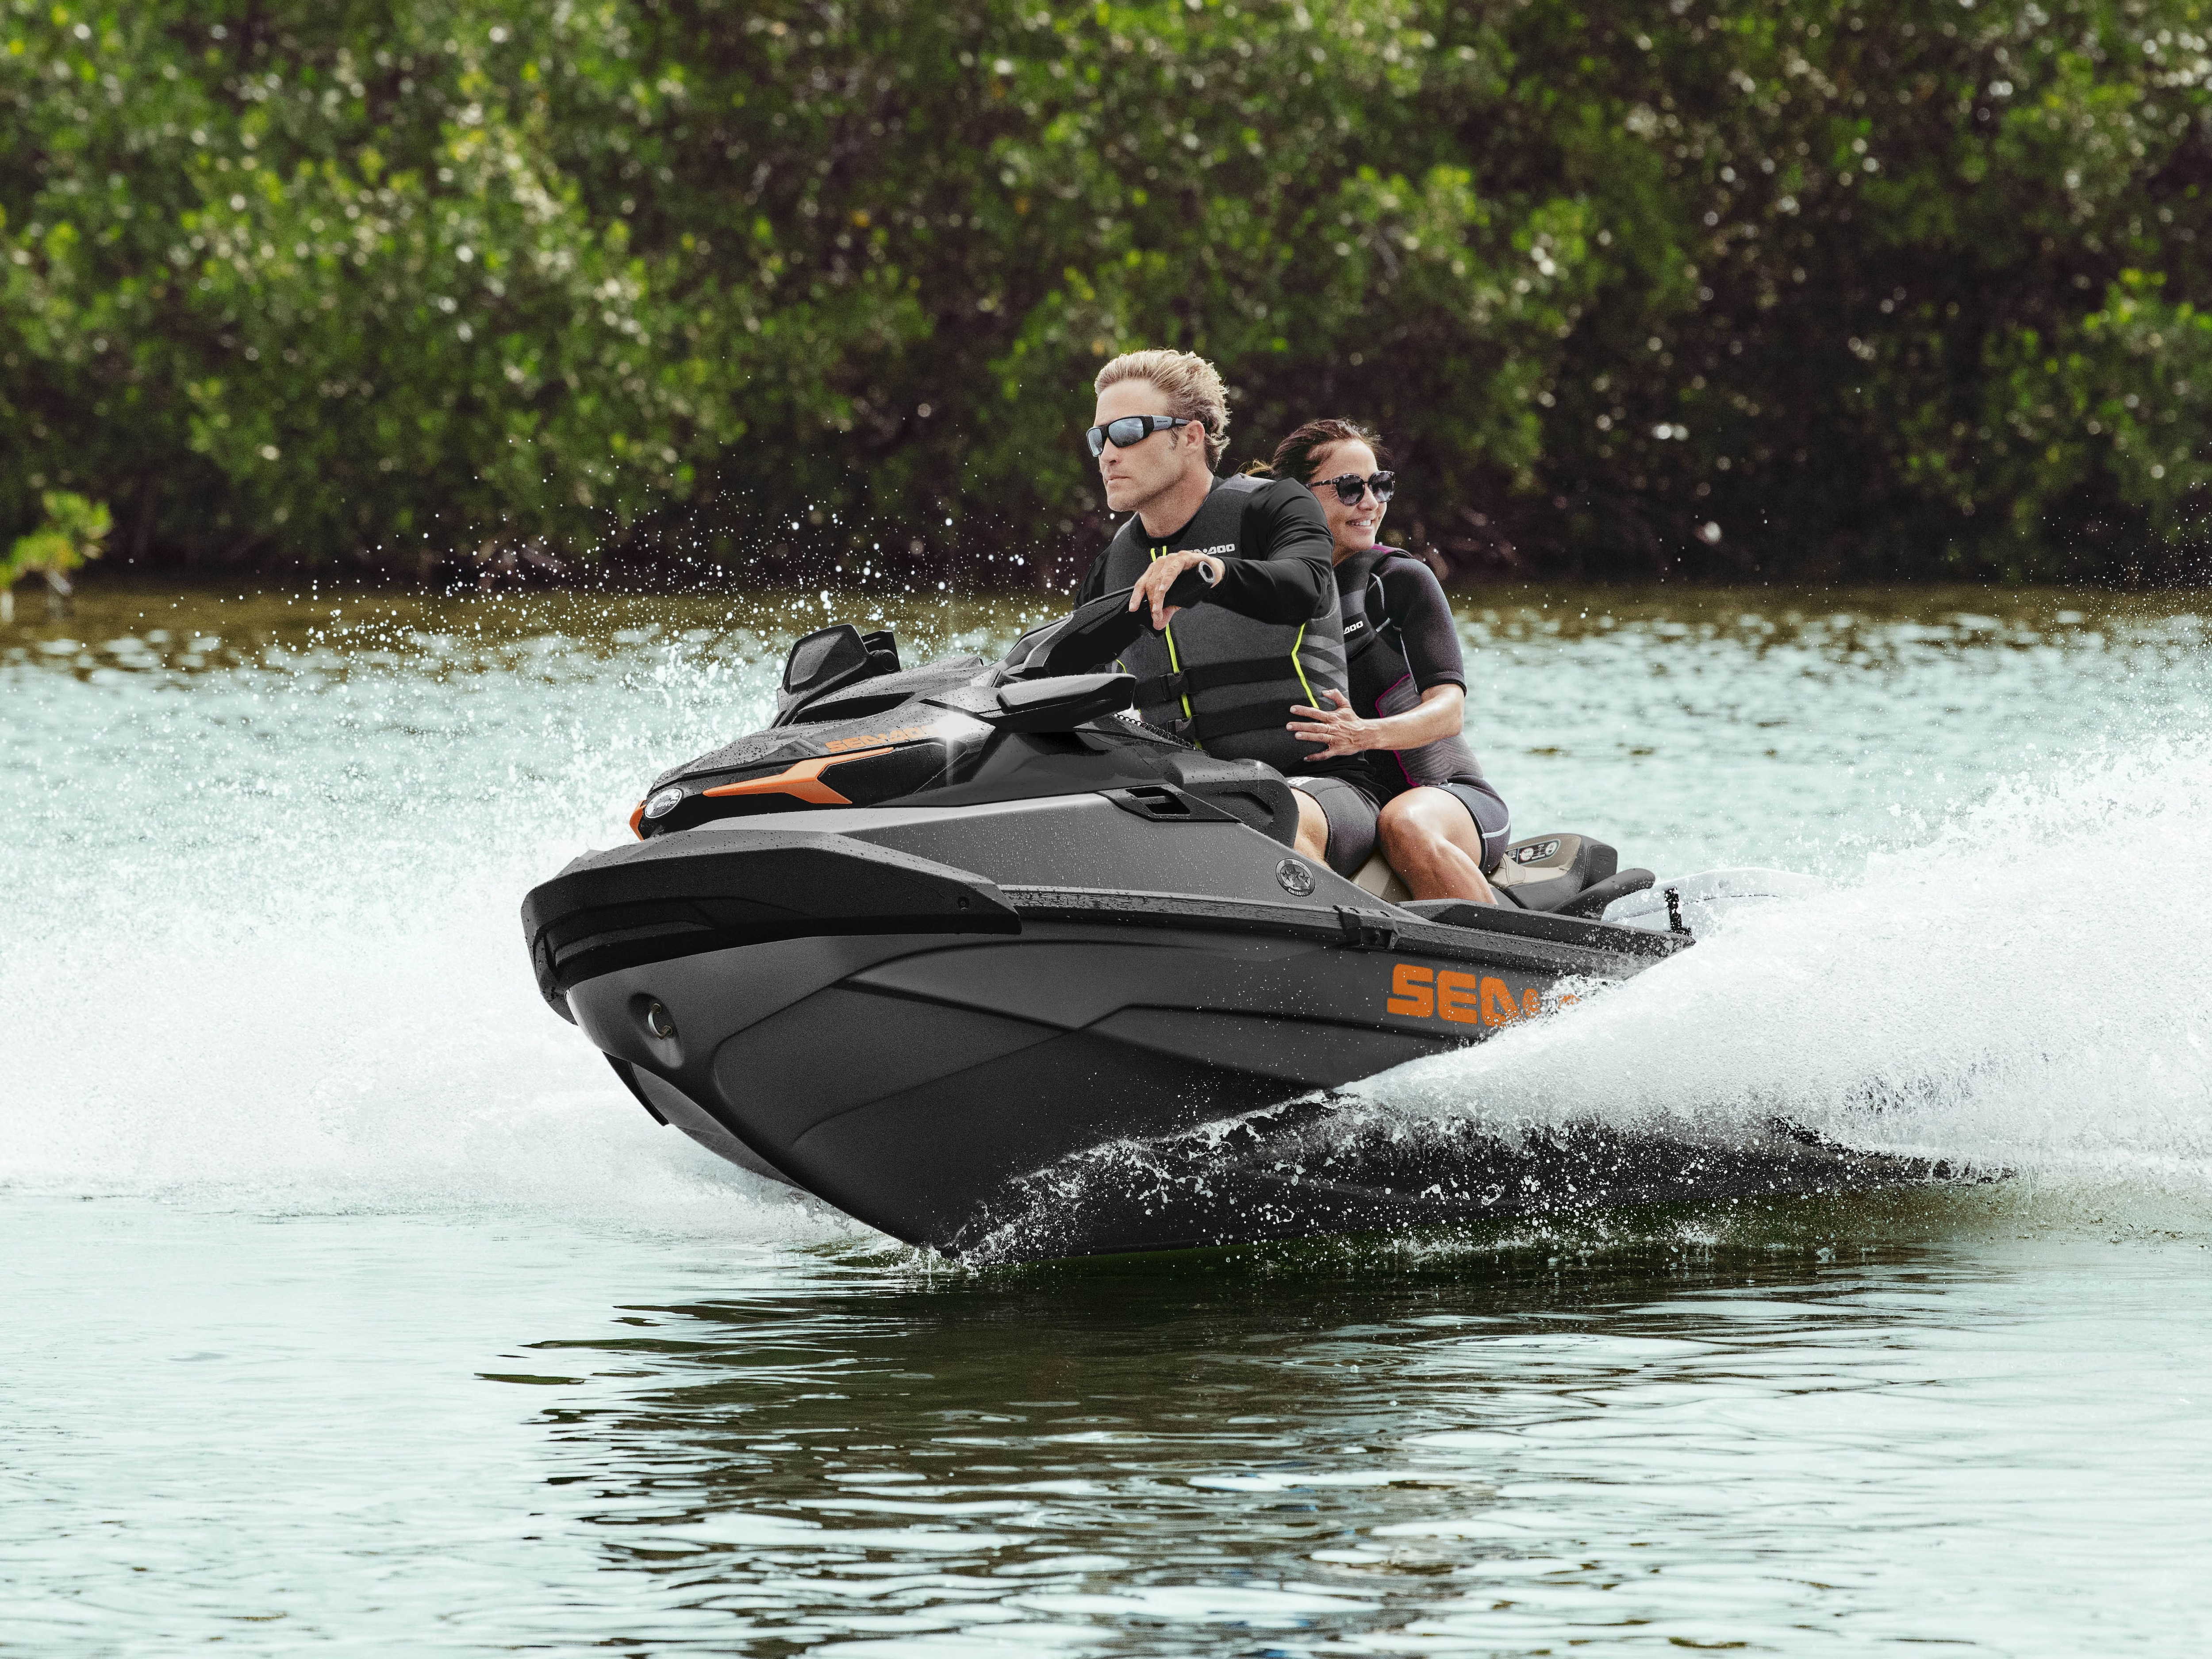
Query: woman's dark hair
{"points": [[1294, 456]]}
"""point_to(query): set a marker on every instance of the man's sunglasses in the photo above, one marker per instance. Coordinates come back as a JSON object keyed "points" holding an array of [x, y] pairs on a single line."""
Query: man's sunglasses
{"points": [[1129, 429], [1351, 487]]}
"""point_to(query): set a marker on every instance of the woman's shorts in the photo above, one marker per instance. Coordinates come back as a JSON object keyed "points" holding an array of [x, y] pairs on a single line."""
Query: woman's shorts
{"points": [[1491, 818], [1350, 812]]}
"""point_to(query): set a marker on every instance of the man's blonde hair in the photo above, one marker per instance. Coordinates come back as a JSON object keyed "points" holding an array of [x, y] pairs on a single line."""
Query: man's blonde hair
{"points": [[1189, 385]]}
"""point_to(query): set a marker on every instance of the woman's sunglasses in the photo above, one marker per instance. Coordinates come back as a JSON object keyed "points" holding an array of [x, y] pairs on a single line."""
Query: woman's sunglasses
{"points": [[1129, 429], [1351, 487]]}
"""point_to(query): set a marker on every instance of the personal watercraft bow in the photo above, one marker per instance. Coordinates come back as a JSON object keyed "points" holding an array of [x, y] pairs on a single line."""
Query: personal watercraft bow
{"points": [[938, 936]]}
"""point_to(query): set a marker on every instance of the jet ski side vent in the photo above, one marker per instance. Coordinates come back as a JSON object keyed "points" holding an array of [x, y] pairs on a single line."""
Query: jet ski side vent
{"points": [[1160, 803], [1264, 804]]}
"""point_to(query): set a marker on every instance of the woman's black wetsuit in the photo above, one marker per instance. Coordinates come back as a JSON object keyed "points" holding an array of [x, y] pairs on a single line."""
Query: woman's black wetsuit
{"points": [[1399, 640]]}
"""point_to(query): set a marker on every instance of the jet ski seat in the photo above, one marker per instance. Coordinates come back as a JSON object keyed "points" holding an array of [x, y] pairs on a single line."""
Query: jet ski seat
{"points": [[1564, 874], [1376, 877]]}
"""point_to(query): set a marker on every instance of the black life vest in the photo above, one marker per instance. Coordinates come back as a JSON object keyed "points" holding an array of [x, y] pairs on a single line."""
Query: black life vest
{"points": [[1224, 681], [1382, 680]]}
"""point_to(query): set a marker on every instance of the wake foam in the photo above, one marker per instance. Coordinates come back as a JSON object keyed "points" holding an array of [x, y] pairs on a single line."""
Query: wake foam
{"points": [[265, 948], [2028, 990]]}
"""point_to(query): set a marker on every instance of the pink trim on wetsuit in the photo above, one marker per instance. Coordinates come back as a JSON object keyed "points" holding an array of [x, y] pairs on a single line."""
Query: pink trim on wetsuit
{"points": [[1398, 755]]}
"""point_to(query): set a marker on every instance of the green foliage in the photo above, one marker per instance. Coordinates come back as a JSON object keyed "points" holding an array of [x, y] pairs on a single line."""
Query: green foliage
{"points": [[1877, 291], [2121, 402], [73, 532]]}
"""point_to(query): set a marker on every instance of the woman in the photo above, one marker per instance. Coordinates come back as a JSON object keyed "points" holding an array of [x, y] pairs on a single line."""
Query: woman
{"points": [[1442, 827]]}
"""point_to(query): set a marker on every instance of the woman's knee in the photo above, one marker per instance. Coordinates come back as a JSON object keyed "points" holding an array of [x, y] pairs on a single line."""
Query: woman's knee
{"points": [[1404, 827]]}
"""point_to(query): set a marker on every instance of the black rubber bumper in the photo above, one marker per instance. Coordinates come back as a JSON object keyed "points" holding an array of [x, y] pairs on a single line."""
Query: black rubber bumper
{"points": [[711, 889]]}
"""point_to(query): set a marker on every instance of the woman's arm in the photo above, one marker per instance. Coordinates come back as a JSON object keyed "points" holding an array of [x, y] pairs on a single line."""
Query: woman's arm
{"points": [[1341, 732]]}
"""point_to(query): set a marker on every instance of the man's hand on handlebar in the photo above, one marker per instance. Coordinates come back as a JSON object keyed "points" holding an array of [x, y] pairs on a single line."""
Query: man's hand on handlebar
{"points": [[1151, 588]]}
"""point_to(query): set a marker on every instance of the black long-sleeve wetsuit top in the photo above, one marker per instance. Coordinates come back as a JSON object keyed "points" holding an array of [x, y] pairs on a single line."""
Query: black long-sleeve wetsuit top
{"points": [[1281, 566], [1277, 572]]}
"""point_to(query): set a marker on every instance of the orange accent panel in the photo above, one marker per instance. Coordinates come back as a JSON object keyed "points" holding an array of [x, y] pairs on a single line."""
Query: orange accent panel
{"points": [[637, 820], [802, 781]]}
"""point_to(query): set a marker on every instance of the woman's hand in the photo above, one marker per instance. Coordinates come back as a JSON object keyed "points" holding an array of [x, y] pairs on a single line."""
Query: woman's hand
{"points": [[1160, 575], [1339, 730]]}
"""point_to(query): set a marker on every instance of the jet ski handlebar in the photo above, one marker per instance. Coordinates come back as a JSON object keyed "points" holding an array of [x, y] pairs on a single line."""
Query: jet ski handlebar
{"points": [[1054, 677], [1092, 636]]}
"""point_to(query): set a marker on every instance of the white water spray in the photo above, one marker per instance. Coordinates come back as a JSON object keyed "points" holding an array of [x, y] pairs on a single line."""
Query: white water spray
{"points": [[264, 944], [2028, 990]]}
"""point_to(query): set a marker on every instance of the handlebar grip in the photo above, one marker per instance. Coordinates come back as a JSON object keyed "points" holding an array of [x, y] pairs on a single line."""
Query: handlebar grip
{"points": [[1190, 589]]}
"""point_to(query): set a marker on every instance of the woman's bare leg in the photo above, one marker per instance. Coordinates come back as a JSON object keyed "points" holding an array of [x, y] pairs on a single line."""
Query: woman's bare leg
{"points": [[1430, 838]]}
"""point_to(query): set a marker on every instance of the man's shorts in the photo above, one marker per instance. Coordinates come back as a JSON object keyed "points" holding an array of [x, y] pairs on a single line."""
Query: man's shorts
{"points": [[1491, 817], [1350, 812]]}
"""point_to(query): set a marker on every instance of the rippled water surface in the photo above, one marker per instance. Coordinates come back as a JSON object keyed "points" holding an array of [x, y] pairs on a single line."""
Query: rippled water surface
{"points": [[349, 1303]]}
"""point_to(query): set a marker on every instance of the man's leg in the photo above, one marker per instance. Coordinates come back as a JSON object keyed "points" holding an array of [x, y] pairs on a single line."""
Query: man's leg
{"points": [[1336, 823], [1313, 828], [1433, 842]]}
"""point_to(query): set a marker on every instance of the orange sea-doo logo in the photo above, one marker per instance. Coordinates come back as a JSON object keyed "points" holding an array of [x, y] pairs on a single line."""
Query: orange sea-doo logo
{"points": [[1420, 993], [877, 740]]}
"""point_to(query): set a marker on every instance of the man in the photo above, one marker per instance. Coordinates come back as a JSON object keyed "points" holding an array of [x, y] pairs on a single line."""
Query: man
{"points": [[1265, 633]]}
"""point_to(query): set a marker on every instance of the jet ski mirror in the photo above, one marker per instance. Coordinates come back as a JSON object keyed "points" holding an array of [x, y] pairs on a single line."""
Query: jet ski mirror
{"points": [[829, 657]]}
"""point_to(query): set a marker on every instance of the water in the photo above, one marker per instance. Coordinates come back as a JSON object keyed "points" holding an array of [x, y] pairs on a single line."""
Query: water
{"points": [[350, 1303]]}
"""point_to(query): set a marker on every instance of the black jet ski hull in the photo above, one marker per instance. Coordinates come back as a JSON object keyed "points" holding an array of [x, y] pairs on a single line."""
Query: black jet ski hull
{"points": [[1088, 1088], [909, 1082], [748, 984]]}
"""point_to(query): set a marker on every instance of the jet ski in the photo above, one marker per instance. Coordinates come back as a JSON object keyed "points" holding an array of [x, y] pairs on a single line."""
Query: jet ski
{"points": [[941, 940]]}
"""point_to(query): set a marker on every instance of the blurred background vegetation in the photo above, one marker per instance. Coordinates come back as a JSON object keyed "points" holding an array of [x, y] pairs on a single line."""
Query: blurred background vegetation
{"points": [[1785, 289]]}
